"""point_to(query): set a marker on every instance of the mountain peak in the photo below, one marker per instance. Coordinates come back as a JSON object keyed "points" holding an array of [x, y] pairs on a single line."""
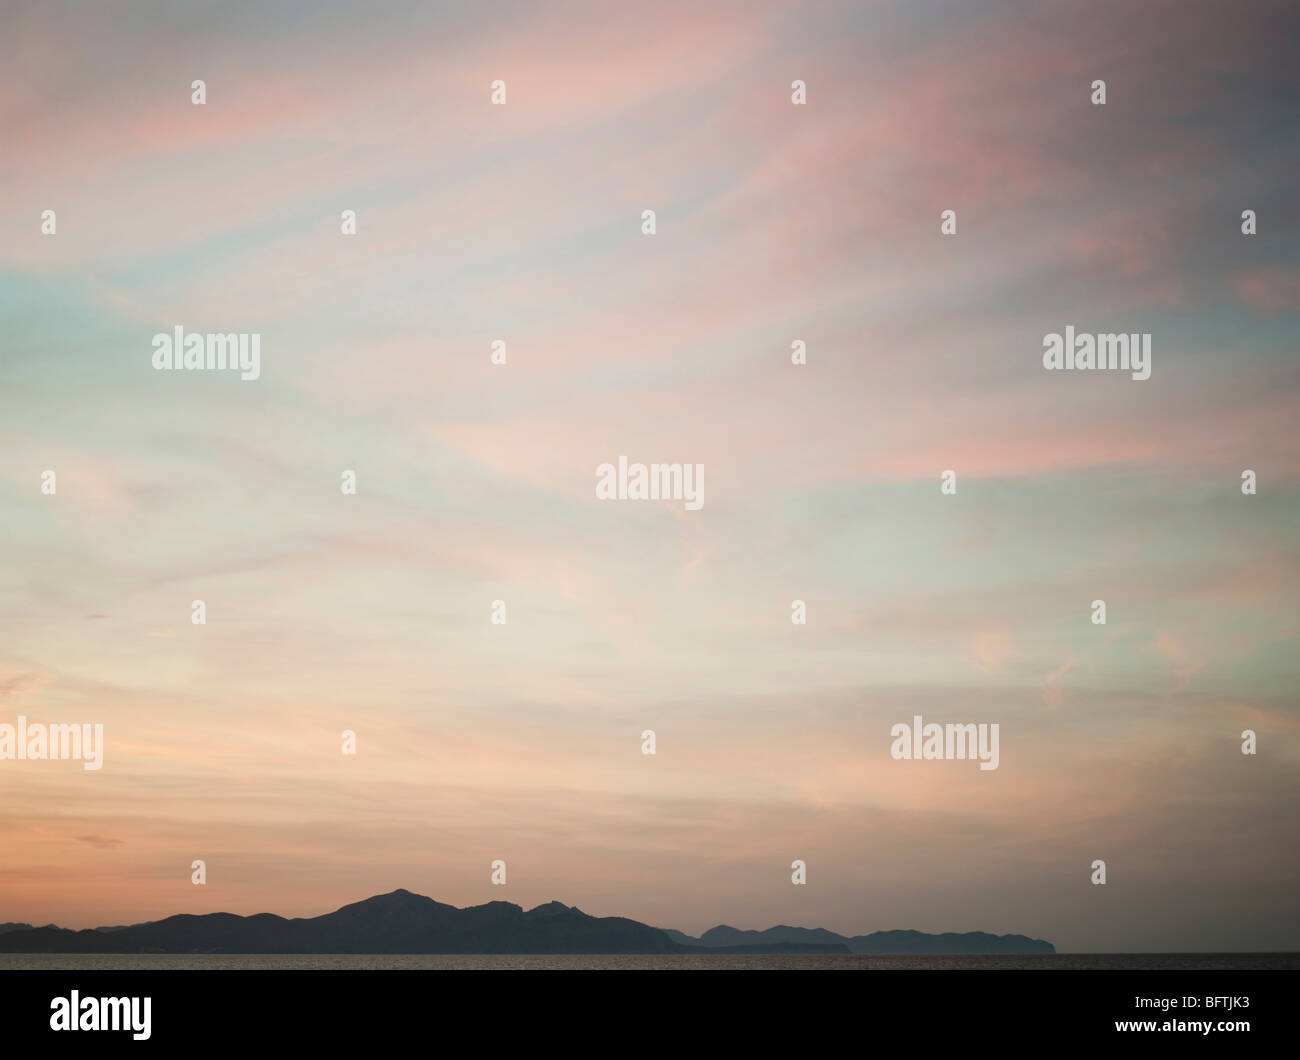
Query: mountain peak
{"points": [[399, 895], [554, 909]]}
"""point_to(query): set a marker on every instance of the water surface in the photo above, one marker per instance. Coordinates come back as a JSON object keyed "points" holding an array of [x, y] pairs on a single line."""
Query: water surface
{"points": [[653, 962]]}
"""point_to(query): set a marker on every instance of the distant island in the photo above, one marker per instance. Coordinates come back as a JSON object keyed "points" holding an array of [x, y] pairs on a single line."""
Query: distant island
{"points": [[402, 922]]}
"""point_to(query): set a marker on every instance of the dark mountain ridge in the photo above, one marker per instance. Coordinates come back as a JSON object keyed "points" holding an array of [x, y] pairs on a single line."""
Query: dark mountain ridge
{"points": [[402, 922], [724, 937]]}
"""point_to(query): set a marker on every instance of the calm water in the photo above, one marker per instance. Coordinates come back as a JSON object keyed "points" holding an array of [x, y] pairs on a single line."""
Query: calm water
{"points": [[487, 962]]}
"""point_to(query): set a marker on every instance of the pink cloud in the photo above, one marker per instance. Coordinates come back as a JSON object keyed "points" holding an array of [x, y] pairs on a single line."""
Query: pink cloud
{"points": [[1275, 289]]}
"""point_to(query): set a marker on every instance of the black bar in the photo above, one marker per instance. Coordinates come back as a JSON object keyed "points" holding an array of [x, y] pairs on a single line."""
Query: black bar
{"points": [[610, 1013]]}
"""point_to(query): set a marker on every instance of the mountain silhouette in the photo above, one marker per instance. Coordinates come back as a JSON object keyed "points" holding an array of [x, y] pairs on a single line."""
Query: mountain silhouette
{"points": [[402, 922], [725, 938]]}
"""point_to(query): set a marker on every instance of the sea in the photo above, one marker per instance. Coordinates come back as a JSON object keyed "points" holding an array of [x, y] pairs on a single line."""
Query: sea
{"points": [[650, 962]]}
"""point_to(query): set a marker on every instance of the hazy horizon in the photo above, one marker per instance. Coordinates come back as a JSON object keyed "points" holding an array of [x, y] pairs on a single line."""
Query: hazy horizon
{"points": [[776, 223]]}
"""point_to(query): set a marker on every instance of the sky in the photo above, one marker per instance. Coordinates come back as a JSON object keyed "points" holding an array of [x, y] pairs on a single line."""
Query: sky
{"points": [[775, 223]]}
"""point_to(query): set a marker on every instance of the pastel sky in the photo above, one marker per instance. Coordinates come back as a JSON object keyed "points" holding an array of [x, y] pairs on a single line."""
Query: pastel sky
{"points": [[476, 482]]}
